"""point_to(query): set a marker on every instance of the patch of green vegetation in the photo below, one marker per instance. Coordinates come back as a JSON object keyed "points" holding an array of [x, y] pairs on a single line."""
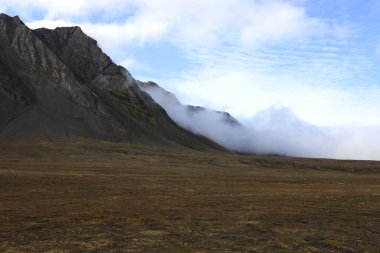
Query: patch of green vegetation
{"points": [[136, 107], [152, 120]]}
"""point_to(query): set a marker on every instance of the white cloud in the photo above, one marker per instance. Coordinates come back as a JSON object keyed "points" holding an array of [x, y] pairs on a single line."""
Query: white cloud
{"points": [[187, 23], [278, 21], [244, 91], [51, 24], [128, 62]]}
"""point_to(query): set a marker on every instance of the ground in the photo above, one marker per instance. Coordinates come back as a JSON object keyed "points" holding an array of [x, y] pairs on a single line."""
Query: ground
{"points": [[103, 197]]}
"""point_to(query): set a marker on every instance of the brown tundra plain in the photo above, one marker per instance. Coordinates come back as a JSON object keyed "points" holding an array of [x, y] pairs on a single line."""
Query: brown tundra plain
{"points": [[105, 197]]}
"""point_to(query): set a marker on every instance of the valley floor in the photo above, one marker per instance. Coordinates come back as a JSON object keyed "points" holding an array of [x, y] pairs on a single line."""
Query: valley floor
{"points": [[102, 197]]}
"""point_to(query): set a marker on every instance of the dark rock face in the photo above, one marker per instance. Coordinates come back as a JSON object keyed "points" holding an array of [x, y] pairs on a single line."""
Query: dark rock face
{"points": [[58, 84]]}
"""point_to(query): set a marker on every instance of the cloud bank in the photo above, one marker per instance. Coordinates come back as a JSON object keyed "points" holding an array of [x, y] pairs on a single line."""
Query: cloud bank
{"points": [[274, 131], [245, 89]]}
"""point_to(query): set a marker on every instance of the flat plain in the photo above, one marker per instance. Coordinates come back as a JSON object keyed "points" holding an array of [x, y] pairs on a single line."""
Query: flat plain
{"points": [[105, 197]]}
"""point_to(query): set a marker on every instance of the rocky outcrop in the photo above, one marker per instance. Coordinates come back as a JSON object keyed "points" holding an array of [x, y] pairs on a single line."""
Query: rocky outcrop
{"points": [[58, 84]]}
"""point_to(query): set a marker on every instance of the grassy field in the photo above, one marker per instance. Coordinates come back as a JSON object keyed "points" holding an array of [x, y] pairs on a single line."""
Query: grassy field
{"points": [[102, 197]]}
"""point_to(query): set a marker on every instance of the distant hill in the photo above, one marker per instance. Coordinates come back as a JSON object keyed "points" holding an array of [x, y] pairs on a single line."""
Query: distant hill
{"points": [[59, 85]]}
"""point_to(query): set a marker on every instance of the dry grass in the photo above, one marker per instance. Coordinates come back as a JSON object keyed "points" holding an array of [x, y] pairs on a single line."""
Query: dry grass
{"points": [[102, 197]]}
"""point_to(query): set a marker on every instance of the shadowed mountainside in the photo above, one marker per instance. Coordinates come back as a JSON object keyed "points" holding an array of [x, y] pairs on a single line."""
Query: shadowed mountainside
{"points": [[59, 85]]}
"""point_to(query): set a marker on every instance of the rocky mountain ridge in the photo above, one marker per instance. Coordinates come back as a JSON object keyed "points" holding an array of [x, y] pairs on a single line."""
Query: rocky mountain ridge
{"points": [[59, 85]]}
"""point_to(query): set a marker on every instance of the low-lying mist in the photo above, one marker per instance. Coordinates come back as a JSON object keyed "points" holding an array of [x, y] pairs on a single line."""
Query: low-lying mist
{"points": [[274, 131]]}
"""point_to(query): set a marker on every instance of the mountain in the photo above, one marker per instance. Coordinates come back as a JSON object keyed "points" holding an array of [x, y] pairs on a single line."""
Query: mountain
{"points": [[169, 101], [59, 85], [219, 126]]}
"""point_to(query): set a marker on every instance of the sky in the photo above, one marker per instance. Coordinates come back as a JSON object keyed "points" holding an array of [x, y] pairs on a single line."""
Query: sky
{"points": [[318, 59]]}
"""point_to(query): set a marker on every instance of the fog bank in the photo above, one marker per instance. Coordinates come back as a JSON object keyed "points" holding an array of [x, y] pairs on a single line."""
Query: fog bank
{"points": [[275, 131]]}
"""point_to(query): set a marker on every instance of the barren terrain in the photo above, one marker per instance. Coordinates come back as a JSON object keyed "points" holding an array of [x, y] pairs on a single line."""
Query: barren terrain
{"points": [[103, 197]]}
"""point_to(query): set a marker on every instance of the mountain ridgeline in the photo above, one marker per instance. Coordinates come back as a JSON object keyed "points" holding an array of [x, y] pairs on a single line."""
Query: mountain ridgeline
{"points": [[59, 85]]}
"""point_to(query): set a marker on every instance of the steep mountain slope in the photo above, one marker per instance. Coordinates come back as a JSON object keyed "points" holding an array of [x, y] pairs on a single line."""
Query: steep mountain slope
{"points": [[58, 84], [219, 126]]}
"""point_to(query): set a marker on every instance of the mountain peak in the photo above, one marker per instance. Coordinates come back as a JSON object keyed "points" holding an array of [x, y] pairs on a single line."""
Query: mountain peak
{"points": [[9, 24], [15, 19], [68, 43]]}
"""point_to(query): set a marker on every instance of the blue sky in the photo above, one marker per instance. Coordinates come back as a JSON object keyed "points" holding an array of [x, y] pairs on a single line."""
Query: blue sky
{"points": [[319, 58]]}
